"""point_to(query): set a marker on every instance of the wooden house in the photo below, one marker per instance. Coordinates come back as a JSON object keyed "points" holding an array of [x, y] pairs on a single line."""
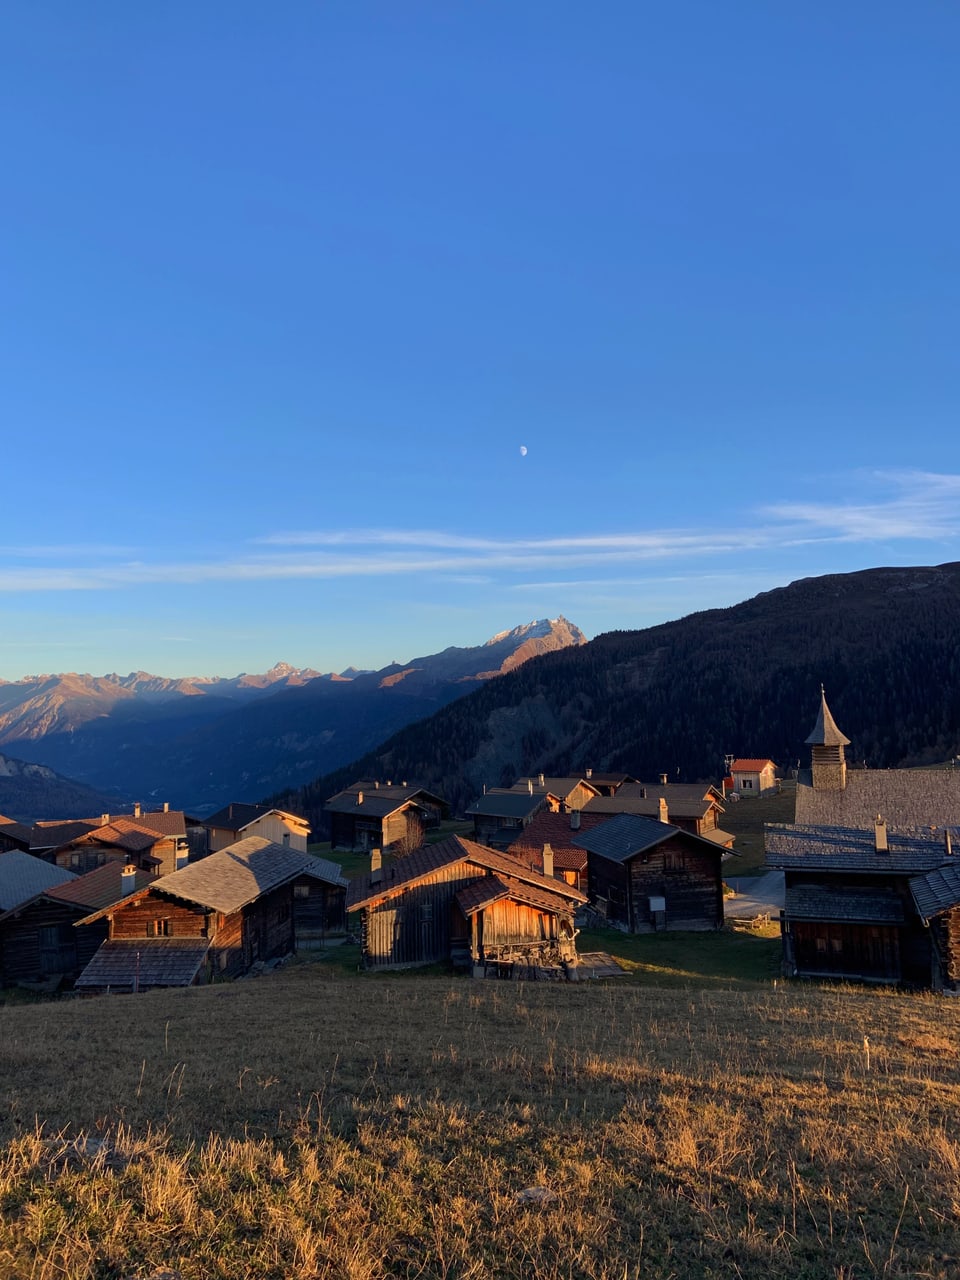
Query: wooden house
{"points": [[562, 794], [238, 821], [13, 835], [644, 875], [215, 918], [377, 815], [123, 840], [501, 814], [459, 901], [38, 939], [871, 904], [696, 807], [753, 777]]}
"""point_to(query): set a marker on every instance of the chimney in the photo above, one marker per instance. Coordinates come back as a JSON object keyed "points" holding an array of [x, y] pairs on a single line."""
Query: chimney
{"points": [[389, 782], [663, 779], [359, 797], [136, 809], [663, 815], [947, 842], [376, 866], [403, 783], [540, 776], [128, 879], [548, 861], [104, 819], [166, 806], [530, 786], [589, 774], [574, 819], [880, 835]]}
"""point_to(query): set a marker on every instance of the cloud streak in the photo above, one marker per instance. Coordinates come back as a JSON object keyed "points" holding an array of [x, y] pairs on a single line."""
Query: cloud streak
{"points": [[916, 506]]}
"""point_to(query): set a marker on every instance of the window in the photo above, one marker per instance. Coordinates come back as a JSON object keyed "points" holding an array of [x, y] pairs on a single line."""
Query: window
{"points": [[159, 928], [301, 891], [672, 860], [74, 859], [286, 837]]}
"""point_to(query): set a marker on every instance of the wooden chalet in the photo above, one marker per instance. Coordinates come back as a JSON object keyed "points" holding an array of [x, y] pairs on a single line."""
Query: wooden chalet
{"points": [[562, 793], [124, 840], [377, 815], [459, 901], [556, 832], [237, 821], [501, 814], [645, 876], [696, 807], [13, 835], [874, 905], [39, 943], [213, 919]]}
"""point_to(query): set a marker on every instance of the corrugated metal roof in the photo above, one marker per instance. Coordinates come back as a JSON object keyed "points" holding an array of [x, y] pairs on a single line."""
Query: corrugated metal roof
{"points": [[22, 876], [148, 962], [881, 905], [936, 891]]}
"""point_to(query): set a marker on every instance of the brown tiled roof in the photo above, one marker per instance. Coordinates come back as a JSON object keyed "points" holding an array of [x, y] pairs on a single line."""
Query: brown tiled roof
{"points": [[99, 888], [122, 833], [150, 962], [554, 829], [749, 765], [171, 822], [430, 858], [904, 798]]}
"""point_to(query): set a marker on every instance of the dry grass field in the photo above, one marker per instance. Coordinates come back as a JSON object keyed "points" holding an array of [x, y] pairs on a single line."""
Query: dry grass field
{"points": [[316, 1123]]}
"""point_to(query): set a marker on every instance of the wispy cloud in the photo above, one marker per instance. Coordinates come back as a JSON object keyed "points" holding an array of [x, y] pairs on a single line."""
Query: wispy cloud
{"points": [[913, 506]]}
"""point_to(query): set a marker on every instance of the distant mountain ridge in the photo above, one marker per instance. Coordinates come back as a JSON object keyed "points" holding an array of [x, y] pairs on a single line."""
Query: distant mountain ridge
{"points": [[202, 741], [31, 792], [678, 696]]}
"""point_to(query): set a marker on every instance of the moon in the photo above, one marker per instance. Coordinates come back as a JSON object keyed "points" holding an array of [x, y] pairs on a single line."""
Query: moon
{"points": [[523, 451]]}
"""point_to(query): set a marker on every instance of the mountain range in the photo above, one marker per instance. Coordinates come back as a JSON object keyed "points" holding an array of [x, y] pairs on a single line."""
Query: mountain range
{"points": [[200, 742], [677, 697]]}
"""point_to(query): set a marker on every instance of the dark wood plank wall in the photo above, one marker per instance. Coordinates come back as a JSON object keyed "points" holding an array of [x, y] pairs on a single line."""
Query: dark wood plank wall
{"points": [[414, 927], [607, 888], [27, 954], [687, 877], [318, 907]]}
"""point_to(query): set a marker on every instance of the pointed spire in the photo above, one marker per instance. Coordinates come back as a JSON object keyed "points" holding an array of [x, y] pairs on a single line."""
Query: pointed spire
{"points": [[825, 732]]}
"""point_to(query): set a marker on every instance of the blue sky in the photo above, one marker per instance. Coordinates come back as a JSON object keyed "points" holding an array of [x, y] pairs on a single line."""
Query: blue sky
{"points": [[288, 289]]}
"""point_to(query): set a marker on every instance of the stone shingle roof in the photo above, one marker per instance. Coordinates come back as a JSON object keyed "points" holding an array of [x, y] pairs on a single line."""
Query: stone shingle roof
{"points": [[51, 835], [99, 888], [379, 799], [148, 962], [425, 861], [879, 905], [799, 847], [507, 804], [227, 880], [937, 891], [123, 833], [903, 797], [22, 876], [627, 834]]}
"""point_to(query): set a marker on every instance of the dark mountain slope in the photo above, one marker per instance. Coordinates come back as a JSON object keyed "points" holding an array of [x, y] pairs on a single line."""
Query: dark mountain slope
{"points": [[676, 697], [31, 792]]}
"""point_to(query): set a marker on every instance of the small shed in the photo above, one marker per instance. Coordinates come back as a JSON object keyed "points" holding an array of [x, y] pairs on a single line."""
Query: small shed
{"points": [[753, 777]]}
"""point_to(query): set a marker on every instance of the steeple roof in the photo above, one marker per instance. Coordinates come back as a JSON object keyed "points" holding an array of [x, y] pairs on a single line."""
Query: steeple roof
{"points": [[825, 732]]}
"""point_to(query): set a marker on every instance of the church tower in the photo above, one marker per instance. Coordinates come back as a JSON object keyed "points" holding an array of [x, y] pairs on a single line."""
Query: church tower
{"points": [[829, 761]]}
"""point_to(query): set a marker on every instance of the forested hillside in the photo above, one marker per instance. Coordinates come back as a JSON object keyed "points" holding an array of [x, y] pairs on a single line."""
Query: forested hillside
{"points": [[676, 697]]}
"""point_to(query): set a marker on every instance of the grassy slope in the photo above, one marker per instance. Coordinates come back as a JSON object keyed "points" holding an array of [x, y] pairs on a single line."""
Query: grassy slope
{"points": [[310, 1123]]}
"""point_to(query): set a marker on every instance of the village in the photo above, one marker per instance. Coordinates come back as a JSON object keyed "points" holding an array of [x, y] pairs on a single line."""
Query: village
{"points": [[864, 883]]}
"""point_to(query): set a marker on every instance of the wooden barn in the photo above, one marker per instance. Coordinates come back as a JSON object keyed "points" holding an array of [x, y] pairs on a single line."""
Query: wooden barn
{"points": [[501, 814], [692, 806], [459, 901], [875, 905], [39, 942], [645, 876], [378, 815], [213, 919], [154, 842]]}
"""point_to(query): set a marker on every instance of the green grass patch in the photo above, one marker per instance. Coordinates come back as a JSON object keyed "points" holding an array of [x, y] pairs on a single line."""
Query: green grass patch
{"points": [[745, 818], [729, 957]]}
